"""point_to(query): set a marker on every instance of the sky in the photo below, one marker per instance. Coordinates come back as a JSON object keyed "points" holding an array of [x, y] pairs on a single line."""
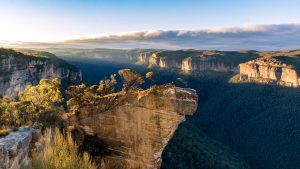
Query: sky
{"points": [[60, 20]]}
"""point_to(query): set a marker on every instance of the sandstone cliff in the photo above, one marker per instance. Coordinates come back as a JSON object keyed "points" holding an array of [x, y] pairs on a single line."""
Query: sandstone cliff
{"points": [[282, 70], [19, 70], [132, 129], [188, 61], [204, 64]]}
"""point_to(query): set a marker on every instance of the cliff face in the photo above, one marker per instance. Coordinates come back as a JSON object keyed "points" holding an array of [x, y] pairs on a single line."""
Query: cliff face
{"points": [[195, 61], [202, 64], [143, 58], [164, 62], [18, 71], [270, 70], [133, 132]]}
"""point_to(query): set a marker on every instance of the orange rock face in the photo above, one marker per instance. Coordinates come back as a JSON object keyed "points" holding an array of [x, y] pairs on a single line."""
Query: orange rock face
{"points": [[270, 71], [134, 132]]}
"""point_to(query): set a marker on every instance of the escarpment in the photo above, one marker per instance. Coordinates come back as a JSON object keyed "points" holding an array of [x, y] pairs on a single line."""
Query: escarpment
{"points": [[275, 70], [19, 70], [130, 130], [202, 63], [188, 61]]}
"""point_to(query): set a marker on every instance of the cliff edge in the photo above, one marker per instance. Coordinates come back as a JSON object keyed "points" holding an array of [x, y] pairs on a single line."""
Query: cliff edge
{"points": [[130, 130]]}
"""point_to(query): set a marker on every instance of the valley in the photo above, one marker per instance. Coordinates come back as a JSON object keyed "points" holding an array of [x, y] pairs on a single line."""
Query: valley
{"points": [[247, 115], [257, 119], [157, 84]]}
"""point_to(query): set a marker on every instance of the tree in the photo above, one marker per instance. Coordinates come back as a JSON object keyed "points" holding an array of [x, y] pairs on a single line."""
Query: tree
{"points": [[107, 86], [40, 103], [44, 95], [131, 80]]}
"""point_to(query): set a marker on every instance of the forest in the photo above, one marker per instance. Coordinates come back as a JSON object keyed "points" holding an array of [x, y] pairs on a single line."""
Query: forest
{"points": [[240, 116]]}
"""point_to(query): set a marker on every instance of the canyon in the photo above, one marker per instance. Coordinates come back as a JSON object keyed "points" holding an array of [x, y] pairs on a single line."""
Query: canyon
{"points": [[133, 129]]}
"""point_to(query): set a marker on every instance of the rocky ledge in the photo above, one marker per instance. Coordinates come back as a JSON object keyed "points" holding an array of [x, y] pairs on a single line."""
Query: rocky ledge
{"points": [[130, 130], [16, 147]]}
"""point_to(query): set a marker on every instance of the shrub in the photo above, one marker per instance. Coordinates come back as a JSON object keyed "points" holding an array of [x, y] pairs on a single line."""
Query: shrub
{"points": [[60, 153]]}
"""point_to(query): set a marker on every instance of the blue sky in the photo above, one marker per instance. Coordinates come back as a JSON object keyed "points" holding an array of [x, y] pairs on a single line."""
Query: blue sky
{"points": [[55, 20]]}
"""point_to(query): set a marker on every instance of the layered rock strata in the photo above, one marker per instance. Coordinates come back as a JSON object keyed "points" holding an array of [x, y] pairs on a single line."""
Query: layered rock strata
{"points": [[270, 71], [133, 128]]}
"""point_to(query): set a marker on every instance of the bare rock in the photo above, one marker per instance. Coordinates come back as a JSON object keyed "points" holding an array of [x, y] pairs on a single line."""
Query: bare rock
{"points": [[15, 148], [133, 132], [270, 70]]}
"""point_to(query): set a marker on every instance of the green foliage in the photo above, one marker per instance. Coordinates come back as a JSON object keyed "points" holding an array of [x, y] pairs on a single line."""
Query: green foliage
{"points": [[60, 153], [107, 86], [83, 96], [131, 80], [40, 103], [43, 95]]}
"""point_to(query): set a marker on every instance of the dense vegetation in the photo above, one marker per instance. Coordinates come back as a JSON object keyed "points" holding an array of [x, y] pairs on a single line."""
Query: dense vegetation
{"points": [[190, 148], [260, 122]]}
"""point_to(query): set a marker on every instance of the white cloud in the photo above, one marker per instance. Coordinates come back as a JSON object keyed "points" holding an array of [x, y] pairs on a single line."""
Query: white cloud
{"points": [[258, 37]]}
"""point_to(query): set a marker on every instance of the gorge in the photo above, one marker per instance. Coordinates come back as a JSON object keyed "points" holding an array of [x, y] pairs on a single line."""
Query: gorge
{"points": [[260, 121]]}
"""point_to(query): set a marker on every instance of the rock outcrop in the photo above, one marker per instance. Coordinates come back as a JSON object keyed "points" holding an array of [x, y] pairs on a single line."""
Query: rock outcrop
{"points": [[16, 147], [19, 70], [133, 128], [269, 70]]}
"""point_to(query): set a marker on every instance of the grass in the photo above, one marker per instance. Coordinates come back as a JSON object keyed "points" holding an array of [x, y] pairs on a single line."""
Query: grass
{"points": [[60, 152]]}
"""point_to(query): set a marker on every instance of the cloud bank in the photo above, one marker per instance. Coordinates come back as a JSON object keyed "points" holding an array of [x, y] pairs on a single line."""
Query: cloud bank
{"points": [[254, 37]]}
